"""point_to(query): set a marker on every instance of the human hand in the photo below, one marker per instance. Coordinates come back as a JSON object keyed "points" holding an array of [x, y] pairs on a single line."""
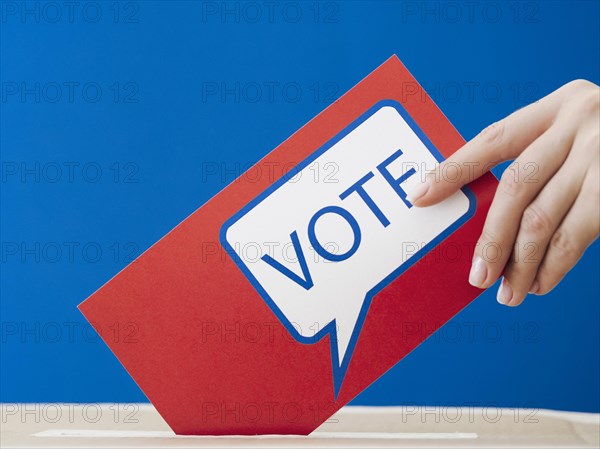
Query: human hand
{"points": [[546, 210]]}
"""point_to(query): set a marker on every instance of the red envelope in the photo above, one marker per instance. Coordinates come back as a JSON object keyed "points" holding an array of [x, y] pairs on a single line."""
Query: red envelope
{"points": [[210, 350]]}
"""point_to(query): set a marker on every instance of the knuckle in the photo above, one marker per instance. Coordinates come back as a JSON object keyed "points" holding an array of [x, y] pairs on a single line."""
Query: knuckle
{"points": [[494, 134], [489, 247], [564, 247], [579, 84], [582, 96], [488, 237], [536, 221], [589, 102], [510, 183]]}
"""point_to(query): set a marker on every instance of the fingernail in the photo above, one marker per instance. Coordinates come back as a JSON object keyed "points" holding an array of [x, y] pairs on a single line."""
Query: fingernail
{"points": [[418, 192], [505, 293], [535, 287], [478, 273]]}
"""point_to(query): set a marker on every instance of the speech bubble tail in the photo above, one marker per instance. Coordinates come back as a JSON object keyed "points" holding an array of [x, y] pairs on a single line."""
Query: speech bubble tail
{"points": [[344, 335]]}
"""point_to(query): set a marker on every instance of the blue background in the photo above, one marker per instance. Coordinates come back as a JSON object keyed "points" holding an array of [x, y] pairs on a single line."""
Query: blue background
{"points": [[157, 135]]}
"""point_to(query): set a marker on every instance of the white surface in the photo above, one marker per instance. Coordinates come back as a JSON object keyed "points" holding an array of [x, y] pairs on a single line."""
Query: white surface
{"points": [[139, 425], [87, 433]]}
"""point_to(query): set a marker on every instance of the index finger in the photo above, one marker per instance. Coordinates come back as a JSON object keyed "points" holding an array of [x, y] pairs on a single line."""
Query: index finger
{"points": [[501, 141]]}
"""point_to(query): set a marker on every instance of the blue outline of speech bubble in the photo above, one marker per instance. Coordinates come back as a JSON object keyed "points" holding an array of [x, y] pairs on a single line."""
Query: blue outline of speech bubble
{"points": [[339, 370]]}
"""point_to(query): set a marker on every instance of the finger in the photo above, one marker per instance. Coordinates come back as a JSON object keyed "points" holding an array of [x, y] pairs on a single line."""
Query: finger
{"points": [[538, 223], [519, 185], [577, 231], [499, 142]]}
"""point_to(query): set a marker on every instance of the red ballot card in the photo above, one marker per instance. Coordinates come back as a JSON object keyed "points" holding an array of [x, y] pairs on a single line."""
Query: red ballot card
{"points": [[302, 282]]}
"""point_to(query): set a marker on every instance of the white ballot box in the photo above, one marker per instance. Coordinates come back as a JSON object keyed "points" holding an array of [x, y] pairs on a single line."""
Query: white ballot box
{"points": [[140, 425]]}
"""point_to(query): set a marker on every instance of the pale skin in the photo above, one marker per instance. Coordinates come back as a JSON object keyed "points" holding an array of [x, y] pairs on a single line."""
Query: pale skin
{"points": [[546, 210]]}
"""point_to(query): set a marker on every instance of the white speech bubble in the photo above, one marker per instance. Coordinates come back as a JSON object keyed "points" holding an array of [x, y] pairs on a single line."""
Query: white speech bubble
{"points": [[323, 240]]}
